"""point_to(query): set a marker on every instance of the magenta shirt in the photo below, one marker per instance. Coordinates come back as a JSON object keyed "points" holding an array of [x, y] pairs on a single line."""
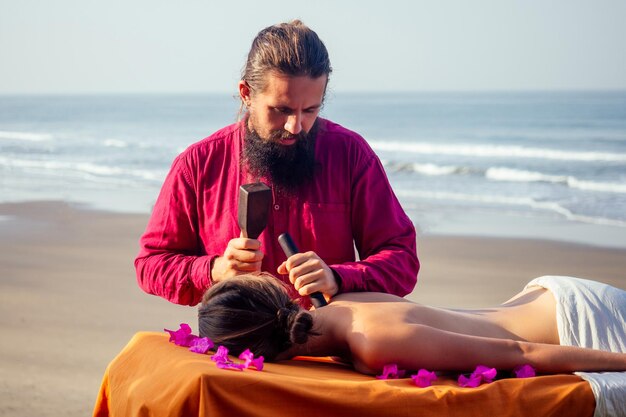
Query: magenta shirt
{"points": [[349, 204]]}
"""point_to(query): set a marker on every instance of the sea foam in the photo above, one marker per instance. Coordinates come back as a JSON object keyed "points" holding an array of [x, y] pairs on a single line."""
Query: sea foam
{"points": [[497, 200], [491, 151], [505, 174], [508, 174], [87, 170], [26, 136]]}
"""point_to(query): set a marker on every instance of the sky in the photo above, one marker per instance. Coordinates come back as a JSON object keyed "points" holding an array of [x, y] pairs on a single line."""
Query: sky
{"points": [[164, 46]]}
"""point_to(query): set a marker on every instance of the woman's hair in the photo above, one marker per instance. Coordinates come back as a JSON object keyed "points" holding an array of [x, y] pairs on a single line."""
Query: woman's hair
{"points": [[287, 48], [254, 312]]}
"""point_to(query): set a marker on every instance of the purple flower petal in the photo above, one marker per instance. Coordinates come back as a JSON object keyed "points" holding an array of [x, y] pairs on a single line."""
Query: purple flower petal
{"points": [[246, 356], [487, 374], [258, 363], [221, 355], [471, 382], [230, 365], [223, 362], [250, 360], [390, 371], [481, 374], [182, 336], [423, 378], [524, 371], [201, 345]]}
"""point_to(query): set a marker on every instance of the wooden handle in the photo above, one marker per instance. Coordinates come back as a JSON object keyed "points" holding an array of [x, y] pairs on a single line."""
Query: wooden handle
{"points": [[290, 249]]}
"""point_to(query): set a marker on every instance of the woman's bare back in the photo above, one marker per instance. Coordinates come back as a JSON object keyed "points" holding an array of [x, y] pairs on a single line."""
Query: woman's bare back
{"points": [[372, 329], [529, 316], [375, 329]]}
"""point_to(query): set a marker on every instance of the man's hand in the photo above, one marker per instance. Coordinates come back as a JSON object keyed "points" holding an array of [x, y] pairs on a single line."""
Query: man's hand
{"points": [[309, 273], [242, 256]]}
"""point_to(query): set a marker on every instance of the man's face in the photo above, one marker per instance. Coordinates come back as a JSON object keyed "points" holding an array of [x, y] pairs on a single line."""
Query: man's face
{"points": [[280, 139], [286, 107]]}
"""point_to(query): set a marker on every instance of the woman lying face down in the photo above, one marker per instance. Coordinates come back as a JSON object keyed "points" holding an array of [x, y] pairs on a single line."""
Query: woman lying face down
{"points": [[373, 329]]}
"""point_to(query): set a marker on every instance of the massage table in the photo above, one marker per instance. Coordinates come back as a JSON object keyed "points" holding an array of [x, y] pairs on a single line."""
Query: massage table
{"points": [[153, 377]]}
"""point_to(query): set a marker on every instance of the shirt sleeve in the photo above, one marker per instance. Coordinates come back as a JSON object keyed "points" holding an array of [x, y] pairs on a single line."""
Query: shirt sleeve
{"points": [[384, 236], [170, 262]]}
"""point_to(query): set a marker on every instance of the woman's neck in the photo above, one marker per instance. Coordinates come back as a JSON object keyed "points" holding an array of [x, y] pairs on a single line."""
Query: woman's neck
{"points": [[330, 328]]}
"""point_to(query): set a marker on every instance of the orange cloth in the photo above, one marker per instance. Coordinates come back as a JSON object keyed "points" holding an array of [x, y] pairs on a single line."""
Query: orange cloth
{"points": [[152, 376]]}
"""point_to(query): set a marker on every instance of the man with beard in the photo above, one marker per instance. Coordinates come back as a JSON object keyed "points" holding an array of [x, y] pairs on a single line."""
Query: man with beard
{"points": [[329, 191]]}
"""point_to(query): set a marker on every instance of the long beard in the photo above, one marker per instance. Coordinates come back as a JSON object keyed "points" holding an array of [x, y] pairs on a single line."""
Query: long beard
{"points": [[288, 167]]}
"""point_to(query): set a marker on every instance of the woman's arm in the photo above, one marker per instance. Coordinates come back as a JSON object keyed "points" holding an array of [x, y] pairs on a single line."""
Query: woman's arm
{"points": [[555, 358], [414, 346]]}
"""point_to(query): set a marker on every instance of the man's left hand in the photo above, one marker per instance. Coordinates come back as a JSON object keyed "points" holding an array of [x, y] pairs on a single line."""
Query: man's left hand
{"points": [[309, 273]]}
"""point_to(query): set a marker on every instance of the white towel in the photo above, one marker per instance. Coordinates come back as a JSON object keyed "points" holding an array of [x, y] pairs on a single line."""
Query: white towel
{"points": [[593, 315]]}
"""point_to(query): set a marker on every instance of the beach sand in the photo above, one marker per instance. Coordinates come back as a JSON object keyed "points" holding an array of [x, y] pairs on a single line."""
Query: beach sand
{"points": [[69, 301]]}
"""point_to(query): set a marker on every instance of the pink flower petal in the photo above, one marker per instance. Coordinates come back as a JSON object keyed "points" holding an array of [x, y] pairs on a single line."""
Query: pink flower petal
{"points": [[230, 365], [246, 355], [390, 371], [223, 362], [182, 336], [471, 382], [201, 345], [250, 360], [481, 374], [221, 355], [424, 378], [258, 363], [487, 374], [524, 371]]}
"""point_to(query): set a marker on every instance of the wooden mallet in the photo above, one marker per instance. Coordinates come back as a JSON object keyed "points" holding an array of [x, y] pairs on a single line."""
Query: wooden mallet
{"points": [[255, 200]]}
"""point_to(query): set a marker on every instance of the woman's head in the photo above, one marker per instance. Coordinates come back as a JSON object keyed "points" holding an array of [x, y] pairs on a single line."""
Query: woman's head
{"points": [[254, 312]]}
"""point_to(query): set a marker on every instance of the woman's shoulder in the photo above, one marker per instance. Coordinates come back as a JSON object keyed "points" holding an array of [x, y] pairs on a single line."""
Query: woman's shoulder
{"points": [[367, 297]]}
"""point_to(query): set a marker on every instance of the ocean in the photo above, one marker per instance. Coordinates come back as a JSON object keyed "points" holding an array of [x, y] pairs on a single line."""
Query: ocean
{"points": [[548, 165]]}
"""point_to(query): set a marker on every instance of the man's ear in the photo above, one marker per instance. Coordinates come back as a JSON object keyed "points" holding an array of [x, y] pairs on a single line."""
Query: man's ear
{"points": [[244, 92]]}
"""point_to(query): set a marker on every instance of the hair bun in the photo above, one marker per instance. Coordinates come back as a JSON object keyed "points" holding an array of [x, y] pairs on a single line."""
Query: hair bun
{"points": [[301, 327], [295, 322]]}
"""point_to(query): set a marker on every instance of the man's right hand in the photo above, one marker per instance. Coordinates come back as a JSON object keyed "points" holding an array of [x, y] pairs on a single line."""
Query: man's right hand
{"points": [[242, 256]]}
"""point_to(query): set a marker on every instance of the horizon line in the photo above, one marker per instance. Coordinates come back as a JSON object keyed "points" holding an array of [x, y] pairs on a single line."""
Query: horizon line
{"points": [[332, 92]]}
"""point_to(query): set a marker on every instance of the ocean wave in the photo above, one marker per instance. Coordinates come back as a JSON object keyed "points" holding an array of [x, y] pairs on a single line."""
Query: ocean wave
{"points": [[498, 151], [498, 200], [429, 168], [423, 169], [26, 136], [432, 169], [88, 168], [508, 174], [115, 143]]}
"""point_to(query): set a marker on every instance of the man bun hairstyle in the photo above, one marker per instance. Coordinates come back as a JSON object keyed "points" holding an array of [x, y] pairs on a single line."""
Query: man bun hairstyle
{"points": [[291, 49], [253, 312]]}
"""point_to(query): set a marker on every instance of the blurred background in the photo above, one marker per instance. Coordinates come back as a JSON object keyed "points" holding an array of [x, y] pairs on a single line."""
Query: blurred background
{"points": [[492, 118]]}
